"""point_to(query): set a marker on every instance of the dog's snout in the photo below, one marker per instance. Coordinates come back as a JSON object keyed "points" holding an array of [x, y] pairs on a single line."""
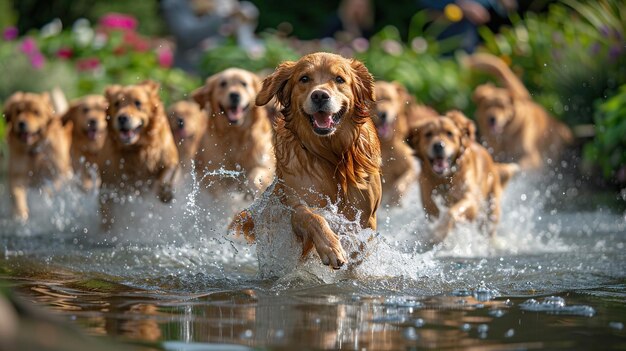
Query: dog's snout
{"points": [[492, 120], [382, 115], [180, 123], [320, 97], [92, 123], [235, 98], [123, 119], [439, 148], [21, 126]]}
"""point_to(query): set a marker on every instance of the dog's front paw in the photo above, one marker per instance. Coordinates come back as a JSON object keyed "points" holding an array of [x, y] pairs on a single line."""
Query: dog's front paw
{"points": [[21, 216], [243, 224], [166, 193], [330, 250]]}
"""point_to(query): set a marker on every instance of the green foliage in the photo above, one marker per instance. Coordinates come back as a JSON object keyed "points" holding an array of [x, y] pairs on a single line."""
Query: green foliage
{"points": [[608, 149], [569, 57]]}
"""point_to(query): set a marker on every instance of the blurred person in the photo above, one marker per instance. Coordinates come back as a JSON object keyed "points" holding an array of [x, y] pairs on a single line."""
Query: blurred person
{"points": [[198, 24], [353, 19], [466, 16]]}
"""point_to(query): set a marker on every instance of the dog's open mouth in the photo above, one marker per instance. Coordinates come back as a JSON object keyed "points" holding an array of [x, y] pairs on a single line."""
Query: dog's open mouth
{"points": [[384, 130], [325, 123], [28, 137], [440, 165], [129, 136], [235, 114], [92, 133], [182, 133]]}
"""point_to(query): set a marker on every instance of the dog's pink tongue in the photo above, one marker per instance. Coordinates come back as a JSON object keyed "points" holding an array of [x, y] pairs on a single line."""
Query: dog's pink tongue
{"points": [[440, 165], [235, 114], [323, 119], [91, 134]]}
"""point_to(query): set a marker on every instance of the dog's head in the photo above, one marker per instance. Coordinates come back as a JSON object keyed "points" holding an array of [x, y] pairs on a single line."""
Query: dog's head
{"points": [[133, 111], [321, 93], [229, 96], [391, 103], [186, 120], [495, 108], [28, 116], [440, 142], [88, 114]]}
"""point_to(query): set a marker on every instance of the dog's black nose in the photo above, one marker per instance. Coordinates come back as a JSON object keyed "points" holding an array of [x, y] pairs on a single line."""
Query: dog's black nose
{"points": [[21, 126], [492, 121], [180, 123], [122, 119], [439, 148], [319, 97], [382, 115], [234, 98], [92, 123]]}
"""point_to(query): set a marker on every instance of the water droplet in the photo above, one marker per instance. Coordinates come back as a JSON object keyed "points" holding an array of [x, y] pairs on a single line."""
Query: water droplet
{"points": [[509, 333], [410, 333]]}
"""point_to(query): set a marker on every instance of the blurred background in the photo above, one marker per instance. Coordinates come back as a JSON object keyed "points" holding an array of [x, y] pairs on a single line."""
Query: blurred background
{"points": [[571, 54]]}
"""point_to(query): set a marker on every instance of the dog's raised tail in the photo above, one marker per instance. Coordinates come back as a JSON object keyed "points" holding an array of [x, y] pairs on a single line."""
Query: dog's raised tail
{"points": [[507, 171], [495, 66]]}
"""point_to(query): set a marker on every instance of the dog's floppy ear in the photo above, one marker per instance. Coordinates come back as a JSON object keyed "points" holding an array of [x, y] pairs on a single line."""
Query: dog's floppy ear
{"points": [[274, 85], [202, 95], [8, 105], [413, 136], [466, 125], [364, 83], [70, 114], [152, 86], [482, 92], [111, 91]]}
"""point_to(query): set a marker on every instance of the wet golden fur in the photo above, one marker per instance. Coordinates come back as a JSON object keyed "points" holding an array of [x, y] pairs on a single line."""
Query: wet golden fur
{"points": [[395, 110], [147, 158], [188, 124], [472, 183], [342, 166], [238, 140], [511, 124], [88, 115], [39, 147]]}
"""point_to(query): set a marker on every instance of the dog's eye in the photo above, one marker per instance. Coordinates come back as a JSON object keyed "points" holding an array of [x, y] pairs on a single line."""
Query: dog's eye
{"points": [[244, 84], [85, 109], [36, 113], [223, 84], [428, 135], [449, 134], [305, 79], [340, 80], [137, 103], [117, 104]]}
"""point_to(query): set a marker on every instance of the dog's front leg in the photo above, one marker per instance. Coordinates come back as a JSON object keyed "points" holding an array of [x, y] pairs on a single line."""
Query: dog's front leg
{"points": [[18, 195], [165, 191], [259, 178], [313, 228]]}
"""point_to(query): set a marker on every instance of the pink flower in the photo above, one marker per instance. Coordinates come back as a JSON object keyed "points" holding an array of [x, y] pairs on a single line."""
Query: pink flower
{"points": [[37, 60], [10, 33], [65, 53], [118, 21], [165, 57], [29, 46], [88, 64]]}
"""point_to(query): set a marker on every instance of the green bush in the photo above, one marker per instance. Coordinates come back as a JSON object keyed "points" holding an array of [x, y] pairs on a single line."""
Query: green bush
{"points": [[608, 149]]}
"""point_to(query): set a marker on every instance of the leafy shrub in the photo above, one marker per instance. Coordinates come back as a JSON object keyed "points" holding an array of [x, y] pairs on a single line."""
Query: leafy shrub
{"points": [[608, 149]]}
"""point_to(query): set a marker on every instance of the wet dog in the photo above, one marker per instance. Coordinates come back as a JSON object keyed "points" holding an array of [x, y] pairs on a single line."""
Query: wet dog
{"points": [[511, 124], [395, 110], [188, 123], [88, 115], [461, 171], [327, 150], [139, 151], [239, 133], [39, 147]]}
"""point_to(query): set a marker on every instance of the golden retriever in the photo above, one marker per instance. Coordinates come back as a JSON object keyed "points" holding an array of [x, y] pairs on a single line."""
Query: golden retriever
{"points": [[511, 124], [326, 149], [461, 171], [88, 115], [188, 123], [139, 149], [239, 133], [39, 147], [395, 110]]}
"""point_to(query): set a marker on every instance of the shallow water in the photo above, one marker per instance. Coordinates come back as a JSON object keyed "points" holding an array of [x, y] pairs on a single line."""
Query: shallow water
{"points": [[170, 277]]}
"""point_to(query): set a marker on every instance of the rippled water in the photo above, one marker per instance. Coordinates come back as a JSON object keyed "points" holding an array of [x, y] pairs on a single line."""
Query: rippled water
{"points": [[170, 276]]}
